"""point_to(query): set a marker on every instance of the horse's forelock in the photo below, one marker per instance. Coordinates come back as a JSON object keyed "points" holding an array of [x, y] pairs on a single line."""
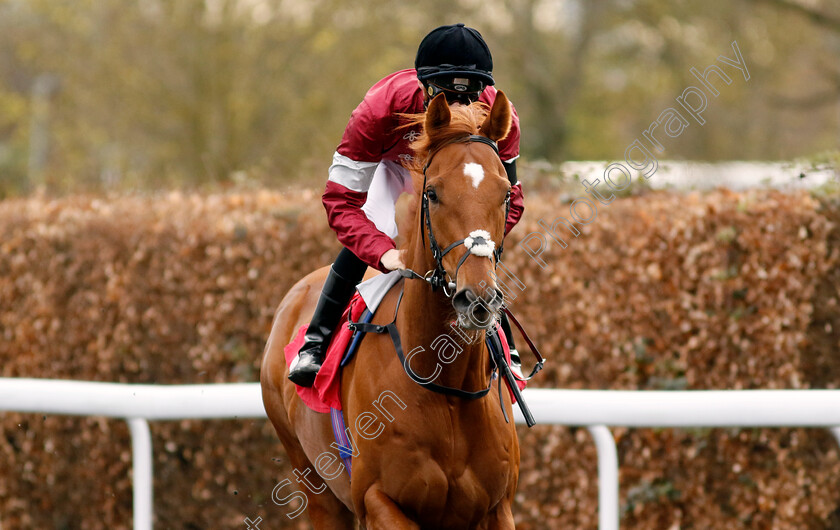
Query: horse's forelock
{"points": [[465, 120]]}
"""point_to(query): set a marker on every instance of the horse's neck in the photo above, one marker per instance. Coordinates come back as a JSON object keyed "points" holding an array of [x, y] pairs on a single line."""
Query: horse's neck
{"points": [[425, 328]]}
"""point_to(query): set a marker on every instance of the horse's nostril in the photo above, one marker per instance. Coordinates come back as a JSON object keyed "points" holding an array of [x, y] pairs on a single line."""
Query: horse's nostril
{"points": [[467, 300], [463, 299], [477, 312], [497, 299]]}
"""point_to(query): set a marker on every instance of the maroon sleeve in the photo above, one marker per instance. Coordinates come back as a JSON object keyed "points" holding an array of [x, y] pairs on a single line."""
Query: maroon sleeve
{"points": [[373, 126], [354, 230], [508, 151], [517, 207], [363, 136], [509, 145]]}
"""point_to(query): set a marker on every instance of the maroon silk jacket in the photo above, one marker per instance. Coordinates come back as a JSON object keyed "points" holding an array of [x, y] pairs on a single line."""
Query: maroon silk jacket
{"points": [[373, 135]]}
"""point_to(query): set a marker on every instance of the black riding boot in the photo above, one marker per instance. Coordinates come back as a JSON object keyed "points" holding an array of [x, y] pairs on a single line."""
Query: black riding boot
{"points": [[335, 295]]}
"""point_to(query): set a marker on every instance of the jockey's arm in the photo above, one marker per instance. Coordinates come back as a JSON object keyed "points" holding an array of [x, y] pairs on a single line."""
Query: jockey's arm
{"points": [[509, 152], [517, 205], [343, 198], [350, 177]]}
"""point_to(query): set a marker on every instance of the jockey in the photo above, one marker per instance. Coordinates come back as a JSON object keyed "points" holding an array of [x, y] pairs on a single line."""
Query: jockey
{"points": [[367, 174]]}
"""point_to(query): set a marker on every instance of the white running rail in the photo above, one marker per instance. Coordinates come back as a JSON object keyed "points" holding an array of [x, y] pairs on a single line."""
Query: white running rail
{"points": [[595, 409]]}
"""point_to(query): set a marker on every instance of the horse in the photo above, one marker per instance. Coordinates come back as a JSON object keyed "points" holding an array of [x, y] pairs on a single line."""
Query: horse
{"points": [[438, 460]]}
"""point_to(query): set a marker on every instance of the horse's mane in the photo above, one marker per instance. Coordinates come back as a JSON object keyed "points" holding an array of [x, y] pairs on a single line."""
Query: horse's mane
{"points": [[465, 120]]}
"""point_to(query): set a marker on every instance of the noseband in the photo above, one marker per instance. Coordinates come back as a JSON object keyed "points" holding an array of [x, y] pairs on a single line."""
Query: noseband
{"points": [[437, 277]]}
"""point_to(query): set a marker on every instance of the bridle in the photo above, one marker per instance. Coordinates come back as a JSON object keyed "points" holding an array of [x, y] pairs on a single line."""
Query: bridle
{"points": [[437, 277]]}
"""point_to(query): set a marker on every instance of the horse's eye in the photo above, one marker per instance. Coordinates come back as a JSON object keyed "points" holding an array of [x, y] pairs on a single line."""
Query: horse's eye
{"points": [[432, 195]]}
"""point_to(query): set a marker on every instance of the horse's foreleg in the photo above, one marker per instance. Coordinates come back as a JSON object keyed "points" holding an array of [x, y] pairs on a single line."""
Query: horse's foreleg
{"points": [[325, 510], [382, 513], [500, 519]]}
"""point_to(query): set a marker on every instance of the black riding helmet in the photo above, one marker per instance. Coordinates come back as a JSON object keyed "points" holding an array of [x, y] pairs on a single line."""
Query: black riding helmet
{"points": [[454, 60]]}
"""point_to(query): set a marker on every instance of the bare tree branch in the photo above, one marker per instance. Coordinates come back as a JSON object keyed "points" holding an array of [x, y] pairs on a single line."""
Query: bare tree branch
{"points": [[821, 19], [812, 101]]}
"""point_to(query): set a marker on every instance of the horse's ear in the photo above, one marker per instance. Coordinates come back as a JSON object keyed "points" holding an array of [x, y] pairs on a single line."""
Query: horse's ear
{"points": [[497, 124], [437, 115]]}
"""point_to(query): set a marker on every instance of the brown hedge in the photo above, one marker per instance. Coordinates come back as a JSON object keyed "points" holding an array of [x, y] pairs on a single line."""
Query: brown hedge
{"points": [[697, 291]]}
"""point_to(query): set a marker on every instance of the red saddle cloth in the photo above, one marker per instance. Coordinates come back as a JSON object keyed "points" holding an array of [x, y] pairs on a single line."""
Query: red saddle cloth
{"points": [[326, 392]]}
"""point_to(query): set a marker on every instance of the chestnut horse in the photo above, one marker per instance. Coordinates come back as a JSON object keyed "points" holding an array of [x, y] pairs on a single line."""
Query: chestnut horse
{"points": [[436, 461]]}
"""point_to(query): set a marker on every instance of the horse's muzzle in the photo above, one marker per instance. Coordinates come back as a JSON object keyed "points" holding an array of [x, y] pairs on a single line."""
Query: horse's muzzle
{"points": [[477, 312]]}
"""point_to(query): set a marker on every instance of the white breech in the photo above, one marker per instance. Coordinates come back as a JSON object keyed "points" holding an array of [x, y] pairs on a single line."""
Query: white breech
{"points": [[390, 180]]}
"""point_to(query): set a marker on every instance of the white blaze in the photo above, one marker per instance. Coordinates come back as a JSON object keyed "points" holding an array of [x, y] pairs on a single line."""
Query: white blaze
{"points": [[475, 172]]}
